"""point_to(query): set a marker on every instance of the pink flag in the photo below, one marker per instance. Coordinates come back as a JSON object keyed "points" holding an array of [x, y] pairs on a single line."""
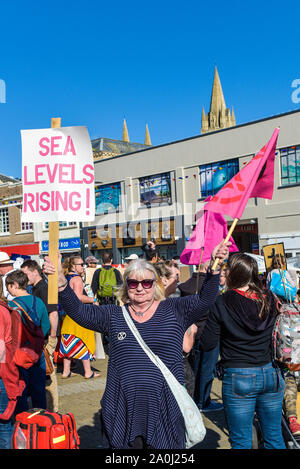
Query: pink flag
{"points": [[256, 179], [210, 230]]}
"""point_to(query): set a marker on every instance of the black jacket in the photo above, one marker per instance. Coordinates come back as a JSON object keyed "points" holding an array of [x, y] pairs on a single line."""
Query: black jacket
{"points": [[189, 288], [245, 339]]}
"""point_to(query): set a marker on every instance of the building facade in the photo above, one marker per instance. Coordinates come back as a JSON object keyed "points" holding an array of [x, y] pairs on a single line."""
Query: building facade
{"points": [[16, 238], [156, 192]]}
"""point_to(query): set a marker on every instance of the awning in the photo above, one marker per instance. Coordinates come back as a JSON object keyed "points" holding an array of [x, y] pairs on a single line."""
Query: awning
{"points": [[25, 249]]}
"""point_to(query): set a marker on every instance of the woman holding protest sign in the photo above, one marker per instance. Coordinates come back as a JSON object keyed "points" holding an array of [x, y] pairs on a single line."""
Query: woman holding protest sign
{"points": [[138, 409], [77, 342]]}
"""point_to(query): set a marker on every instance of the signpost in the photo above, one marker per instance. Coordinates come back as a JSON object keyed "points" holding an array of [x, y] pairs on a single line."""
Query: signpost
{"points": [[58, 182]]}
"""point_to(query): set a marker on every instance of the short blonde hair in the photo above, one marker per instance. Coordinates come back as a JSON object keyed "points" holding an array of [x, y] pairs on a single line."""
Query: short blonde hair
{"points": [[139, 267]]}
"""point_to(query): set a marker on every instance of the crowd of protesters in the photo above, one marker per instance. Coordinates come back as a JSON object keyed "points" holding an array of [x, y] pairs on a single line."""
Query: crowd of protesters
{"points": [[216, 319]]}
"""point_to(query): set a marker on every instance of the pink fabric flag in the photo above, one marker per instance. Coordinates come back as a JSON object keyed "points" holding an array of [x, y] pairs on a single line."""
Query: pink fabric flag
{"points": [[210, 230], [256, 179]]}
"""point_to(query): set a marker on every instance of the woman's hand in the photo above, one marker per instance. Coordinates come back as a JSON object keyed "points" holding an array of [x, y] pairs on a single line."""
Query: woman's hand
{"points": [[220, 252], [49, 269]]}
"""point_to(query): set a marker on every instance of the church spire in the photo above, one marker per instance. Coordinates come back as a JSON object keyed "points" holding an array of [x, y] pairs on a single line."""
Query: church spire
{"points": [[125, 132], [217, 101], [218, 116], [147, 136]]}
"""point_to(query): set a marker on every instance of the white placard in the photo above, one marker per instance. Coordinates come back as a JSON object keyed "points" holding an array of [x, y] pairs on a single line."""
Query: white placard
{"points": [[57, 175]]}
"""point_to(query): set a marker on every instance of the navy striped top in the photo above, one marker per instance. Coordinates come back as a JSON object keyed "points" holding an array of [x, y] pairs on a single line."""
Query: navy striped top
{"points": [[137, 400]]}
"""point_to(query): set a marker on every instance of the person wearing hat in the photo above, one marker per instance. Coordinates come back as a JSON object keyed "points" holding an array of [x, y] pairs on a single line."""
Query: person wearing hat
{"points": [[131, 258], [6, 266], [91, 263]]}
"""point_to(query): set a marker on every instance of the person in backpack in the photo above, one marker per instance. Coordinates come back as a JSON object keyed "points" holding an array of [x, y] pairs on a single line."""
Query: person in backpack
{"points": [[291, 377], [39, 285], [76, 342], [35, 376], [242, 319], [106, 280], [289, 276], [11, 384]]}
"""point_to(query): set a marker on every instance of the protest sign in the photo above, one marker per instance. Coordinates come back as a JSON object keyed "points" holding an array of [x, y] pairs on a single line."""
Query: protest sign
{"points": [[58, 182], [57, 175], [274, 250]]}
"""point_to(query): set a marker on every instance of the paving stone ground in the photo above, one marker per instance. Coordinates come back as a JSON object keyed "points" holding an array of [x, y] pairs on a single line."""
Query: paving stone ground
{"points": [[82, 397]]}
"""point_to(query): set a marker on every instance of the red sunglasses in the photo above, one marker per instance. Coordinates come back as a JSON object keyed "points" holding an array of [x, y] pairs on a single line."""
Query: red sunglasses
{"points": [[146, 283]]}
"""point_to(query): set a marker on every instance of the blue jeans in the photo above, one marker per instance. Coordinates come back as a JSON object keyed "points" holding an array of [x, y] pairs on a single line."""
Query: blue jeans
{"points": [[204, 370], [35, 379], [6, 426], [249, 390]]}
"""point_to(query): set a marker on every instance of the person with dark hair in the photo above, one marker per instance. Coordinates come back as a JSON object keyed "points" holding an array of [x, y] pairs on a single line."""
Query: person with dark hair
{"points": [[242, 319], [40, 289], [151, 251], [109, 275], [76, 342], [35, 376], [39, 285]]}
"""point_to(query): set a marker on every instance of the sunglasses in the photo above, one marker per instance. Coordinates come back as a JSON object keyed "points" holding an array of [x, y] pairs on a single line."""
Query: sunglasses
{"points": [[146, 283], [80, 264]]}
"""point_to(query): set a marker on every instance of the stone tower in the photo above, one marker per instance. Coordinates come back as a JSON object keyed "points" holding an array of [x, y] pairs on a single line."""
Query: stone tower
{"points": [[218, 116]]}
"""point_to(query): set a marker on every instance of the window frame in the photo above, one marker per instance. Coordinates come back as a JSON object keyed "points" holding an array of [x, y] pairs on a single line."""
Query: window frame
{"points": [[145, 179], [211, 167], [4, 222], [286, 153], [117, 188]]}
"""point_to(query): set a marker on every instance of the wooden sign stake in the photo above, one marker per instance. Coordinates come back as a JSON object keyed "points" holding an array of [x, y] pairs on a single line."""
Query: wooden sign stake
{"points": [[53, 244]]}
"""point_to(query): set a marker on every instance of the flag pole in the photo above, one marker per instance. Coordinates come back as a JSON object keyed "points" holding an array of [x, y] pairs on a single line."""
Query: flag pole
{"points": [[282, 276], [198, 270], [225, 241]]}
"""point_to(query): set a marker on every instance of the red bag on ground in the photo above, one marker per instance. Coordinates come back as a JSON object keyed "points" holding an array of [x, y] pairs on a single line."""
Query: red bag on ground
{"points": [[41, 429]]}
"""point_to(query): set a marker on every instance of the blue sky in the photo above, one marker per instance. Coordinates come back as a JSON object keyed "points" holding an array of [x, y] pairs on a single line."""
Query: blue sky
{"points": [[93, 63]]}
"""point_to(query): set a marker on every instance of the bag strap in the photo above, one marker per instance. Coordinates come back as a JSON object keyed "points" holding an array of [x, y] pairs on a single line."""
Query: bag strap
{"points": [[22, 309], [33, 302], [154, 358]]}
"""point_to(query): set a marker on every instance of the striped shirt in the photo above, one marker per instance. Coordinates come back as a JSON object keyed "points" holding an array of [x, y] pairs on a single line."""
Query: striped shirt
{"points": [[137, 400]]}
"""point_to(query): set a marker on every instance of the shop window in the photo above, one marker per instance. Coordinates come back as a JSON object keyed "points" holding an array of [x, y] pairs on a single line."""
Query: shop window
{"points": [[4, 221], [108, 198], [155, 190], [290, 165], [214, 176]]}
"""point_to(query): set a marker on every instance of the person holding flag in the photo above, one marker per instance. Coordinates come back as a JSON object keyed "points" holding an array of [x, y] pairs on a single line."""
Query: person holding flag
{"points": [[243, 319]]}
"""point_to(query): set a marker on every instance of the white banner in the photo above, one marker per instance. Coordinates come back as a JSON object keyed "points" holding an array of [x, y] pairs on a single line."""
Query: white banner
{"points": [[57, 175]]}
